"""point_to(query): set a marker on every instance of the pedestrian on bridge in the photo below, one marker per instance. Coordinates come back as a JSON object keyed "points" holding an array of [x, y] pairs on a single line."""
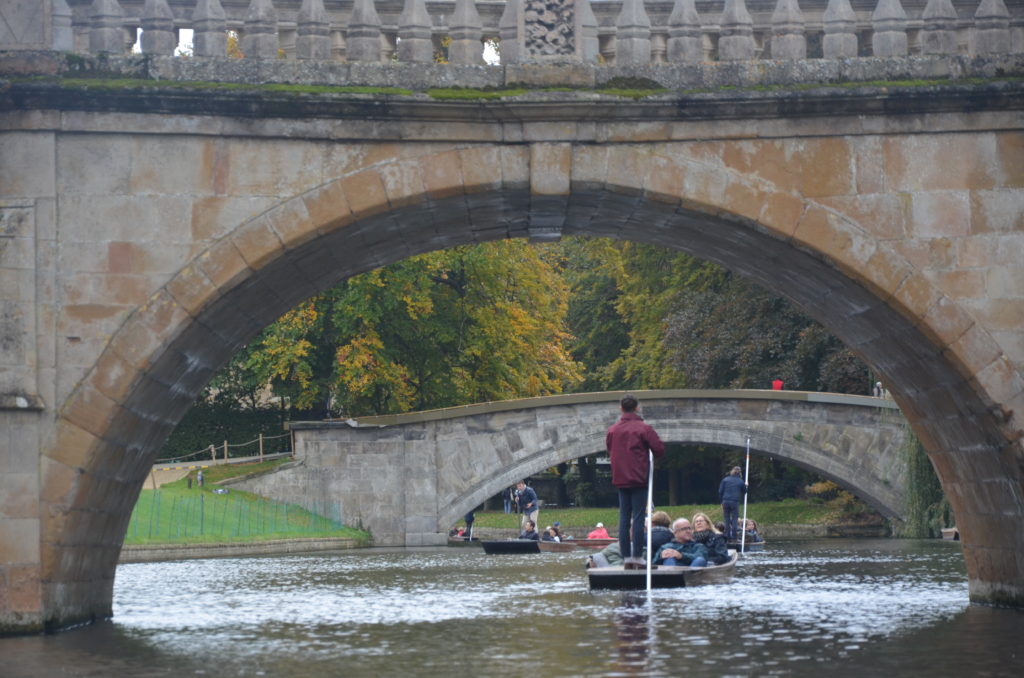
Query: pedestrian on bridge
{"points": [[630, 443]]}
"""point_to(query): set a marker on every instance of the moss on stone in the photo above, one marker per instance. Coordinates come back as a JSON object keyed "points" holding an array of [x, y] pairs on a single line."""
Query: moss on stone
{"points": [[459, 94]]}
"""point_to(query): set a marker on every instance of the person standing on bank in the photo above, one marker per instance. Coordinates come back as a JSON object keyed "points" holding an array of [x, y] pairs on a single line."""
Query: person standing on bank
{"points": [[528, 503], [629, 440], [730, 492]]}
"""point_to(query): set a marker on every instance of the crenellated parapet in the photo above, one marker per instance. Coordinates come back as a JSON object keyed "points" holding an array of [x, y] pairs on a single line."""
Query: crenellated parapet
{"points": [[613, 32]]}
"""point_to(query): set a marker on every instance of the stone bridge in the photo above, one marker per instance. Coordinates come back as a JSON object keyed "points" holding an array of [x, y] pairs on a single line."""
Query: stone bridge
{"points": [[156, 212], [408, 478]]}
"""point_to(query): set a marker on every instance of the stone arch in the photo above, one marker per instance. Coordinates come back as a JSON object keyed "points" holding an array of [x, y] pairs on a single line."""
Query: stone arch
{"points": [[833, 266]]}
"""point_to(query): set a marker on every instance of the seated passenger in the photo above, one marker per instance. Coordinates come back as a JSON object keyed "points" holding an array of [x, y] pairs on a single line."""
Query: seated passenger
{"points": [[598, 532], [752, 536], [682, 550], [704, 532], [550, 534], [660, 534], [529, 531]]}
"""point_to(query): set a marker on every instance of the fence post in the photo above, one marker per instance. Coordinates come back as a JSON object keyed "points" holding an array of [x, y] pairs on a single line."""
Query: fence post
{"points": [[213, 453], [225, 450], [261, 447]]}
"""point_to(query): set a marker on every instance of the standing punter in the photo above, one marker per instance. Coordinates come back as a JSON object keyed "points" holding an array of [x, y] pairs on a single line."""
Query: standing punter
{"points": [[730, 493], [628, 442]]}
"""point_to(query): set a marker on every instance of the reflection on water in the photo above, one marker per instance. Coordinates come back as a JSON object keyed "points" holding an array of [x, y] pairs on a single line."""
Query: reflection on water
{"points": [[799, 608]]}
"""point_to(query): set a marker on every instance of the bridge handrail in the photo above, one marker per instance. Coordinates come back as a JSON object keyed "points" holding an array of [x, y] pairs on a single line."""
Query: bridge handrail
{"points": [[611, 397], [679, 31]]}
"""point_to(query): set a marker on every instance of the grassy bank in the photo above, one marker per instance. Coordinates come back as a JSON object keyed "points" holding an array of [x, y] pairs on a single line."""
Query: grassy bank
{"points": [[577, 520], [178, 514]]}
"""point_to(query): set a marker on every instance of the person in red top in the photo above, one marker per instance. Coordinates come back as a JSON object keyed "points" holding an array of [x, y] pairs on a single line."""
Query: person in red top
{"points": [[628, 441], [776, 384], [598, 532]]}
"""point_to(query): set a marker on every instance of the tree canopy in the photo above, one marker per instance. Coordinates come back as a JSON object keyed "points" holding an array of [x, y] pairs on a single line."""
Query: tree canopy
{"points": [[468, 324]]}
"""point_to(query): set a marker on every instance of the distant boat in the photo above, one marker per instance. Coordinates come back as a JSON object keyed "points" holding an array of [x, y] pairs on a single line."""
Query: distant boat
{"points": [[463, 541], [662, 576], [591, 543], [506, 546], [556, 546], [748, 547], [951, 534]]}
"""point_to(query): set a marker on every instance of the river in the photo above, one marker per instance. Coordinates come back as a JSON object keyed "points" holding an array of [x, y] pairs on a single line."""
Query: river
{"points": [[832, 607]]}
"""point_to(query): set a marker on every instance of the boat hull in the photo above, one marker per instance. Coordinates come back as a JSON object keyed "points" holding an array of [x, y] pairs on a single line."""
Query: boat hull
{"points": [[462, 541], [555, 546], [752, 547], [511, 546], [591, 543], [662, 576]]}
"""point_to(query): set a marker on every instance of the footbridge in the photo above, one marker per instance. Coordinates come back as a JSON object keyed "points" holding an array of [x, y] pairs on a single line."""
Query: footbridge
{"points": [[864, 159], [407, 478]]}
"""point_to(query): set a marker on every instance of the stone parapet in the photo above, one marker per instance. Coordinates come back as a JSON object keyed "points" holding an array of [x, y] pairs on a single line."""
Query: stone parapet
{"points": [[580, 30], [697, 81]]}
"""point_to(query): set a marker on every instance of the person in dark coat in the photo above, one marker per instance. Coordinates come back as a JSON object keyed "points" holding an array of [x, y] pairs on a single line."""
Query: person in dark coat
{"points": [[529, 531], [730, 492], [661, 534], [528, 502], [704, 532], [629, 442], [682, 550]]}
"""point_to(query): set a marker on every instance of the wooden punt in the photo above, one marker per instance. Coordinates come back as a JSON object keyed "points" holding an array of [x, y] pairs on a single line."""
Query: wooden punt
{"points": [[748, 547], [507, 546], [591, 543], [950, 534], [556, 546], [462, 541], [662, 576]]}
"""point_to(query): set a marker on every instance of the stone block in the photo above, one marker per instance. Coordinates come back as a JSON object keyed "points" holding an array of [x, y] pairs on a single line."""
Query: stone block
{"points": [[258, 243], [19, 540], [296, 166], [327, 207], [481, 168], [550, 168], [403, 183], [79, 158], [515, 167], [442, 174], [214, 217], [224, 265], [159, 162], [1000, 210], [149, 330], [28, 167], [365, 194]]}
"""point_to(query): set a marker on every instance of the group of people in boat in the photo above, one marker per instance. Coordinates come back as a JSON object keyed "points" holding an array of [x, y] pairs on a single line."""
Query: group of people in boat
{"points": [[632, 446], [694, 543], [550, 533]]}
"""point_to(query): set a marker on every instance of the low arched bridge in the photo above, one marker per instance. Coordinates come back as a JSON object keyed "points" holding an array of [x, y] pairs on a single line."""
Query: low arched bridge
{"points": [[408, 477]]}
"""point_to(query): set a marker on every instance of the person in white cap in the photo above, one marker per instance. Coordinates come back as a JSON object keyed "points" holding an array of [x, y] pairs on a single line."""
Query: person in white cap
{"points": [[598, 532]]}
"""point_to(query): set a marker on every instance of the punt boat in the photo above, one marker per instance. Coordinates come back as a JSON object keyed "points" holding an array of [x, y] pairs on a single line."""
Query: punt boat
{"points": [[662, 576]]}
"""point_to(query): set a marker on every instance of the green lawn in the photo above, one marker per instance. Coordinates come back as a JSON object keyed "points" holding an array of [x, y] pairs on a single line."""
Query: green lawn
{"points": [[176, 514]]}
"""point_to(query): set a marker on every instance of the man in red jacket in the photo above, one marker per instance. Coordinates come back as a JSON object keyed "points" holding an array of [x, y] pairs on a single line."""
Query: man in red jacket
{"points": [[628, 442]]}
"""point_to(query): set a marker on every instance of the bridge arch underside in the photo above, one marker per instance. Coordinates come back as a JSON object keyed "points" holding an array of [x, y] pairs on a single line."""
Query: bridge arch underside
{"points": [[148, 377]]}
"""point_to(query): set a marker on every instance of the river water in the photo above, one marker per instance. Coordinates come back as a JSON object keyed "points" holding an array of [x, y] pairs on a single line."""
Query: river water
{"points": [[801, 608]]}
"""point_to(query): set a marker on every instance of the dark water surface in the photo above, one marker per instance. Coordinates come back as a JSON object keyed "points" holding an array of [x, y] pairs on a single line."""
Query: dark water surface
{"points": [[816, 607]]}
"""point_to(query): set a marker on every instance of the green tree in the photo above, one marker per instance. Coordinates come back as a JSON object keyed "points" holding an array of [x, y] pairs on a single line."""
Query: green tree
{"points": [[468, 324], [590, 268]]}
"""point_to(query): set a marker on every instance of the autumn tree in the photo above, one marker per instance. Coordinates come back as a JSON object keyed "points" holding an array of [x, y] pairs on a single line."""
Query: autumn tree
{"points": [[468, 324]]}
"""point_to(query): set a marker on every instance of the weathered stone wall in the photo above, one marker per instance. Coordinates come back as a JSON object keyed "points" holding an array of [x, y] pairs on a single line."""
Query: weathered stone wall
{"points": [[170, 224], [407, 478]]}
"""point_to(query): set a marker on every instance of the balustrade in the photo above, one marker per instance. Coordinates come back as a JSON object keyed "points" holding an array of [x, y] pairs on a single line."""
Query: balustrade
{"points": [[619, 32]]}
